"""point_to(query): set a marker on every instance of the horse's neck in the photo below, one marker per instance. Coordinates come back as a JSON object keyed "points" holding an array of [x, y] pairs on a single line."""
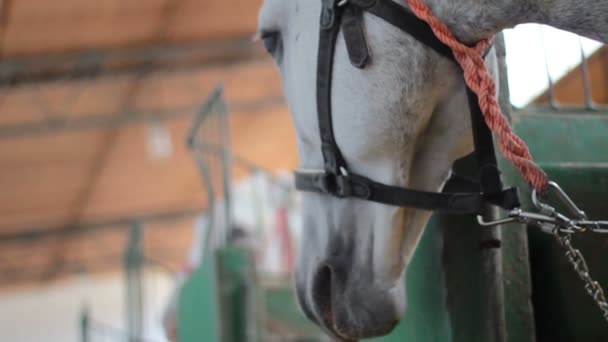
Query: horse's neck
{"points": [[585, 17], [472, 20]]}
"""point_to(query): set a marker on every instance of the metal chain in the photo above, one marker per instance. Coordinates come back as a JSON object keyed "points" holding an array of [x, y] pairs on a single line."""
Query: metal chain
{"points": [[549, 220], [576, 259]]}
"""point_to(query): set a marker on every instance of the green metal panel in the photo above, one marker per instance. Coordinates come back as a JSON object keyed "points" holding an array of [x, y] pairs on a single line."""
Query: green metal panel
{"points": [[198, 305], [571, 148], [235, 265], [281, 309]]}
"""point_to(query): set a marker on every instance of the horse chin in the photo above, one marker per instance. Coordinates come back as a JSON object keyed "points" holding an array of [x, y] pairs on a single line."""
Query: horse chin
{"points": [[372, 315]]}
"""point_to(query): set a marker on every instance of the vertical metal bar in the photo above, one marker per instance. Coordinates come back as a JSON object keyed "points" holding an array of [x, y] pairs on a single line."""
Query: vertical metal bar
{"points": [[208, 107], [205, 167], [516, 276], [552, 99], [492, 277], [85, 324], [225, 140], [209, 241], [134, 294], [586, 78]]}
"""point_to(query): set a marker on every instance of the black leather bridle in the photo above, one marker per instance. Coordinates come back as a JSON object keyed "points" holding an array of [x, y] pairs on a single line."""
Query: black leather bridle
{"points": [[336, 179]]}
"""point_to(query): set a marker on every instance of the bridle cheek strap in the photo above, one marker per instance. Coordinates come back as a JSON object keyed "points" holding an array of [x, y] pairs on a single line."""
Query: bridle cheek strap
{"points": [[468, 197]]}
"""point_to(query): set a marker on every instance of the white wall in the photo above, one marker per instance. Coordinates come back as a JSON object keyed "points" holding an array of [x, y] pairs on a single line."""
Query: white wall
{"points": [[51, 313], [527, 47]]}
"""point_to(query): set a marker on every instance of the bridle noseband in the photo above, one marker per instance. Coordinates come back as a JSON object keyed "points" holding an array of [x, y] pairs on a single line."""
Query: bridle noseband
{"points": [[336, 179]]}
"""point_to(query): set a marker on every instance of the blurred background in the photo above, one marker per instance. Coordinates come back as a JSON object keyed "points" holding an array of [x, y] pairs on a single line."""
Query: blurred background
{"points": [[145, 150]]}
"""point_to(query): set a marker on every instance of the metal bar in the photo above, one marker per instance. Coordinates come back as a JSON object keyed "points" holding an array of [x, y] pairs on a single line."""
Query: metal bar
{"points": [[227, 165], [192, 140], [207, 108], [212, 229], [494, 328], [492, 278], [134, 292], [28, 234], [515, 276], [589, 105], [85, 324], [566, 109], [101, 121], [50, 68], [552, 99]]}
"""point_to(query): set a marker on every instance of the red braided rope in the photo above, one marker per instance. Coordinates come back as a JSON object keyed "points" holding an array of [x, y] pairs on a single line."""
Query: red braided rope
{"points": [[478, 78]]}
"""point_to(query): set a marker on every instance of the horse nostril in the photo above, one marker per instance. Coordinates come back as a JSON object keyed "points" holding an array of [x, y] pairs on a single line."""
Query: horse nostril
{"points": [[322, 293]]}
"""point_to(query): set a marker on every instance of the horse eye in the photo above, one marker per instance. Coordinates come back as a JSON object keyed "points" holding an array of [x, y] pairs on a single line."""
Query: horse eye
{"points": [[271, 41]]}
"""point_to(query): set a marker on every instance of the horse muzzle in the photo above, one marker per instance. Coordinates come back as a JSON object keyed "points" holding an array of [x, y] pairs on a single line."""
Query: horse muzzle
{"points": [[350, 308]]}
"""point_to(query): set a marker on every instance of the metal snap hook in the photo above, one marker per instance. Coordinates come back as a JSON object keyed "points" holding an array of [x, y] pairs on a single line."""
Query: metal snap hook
{"points": [[563, 197]]}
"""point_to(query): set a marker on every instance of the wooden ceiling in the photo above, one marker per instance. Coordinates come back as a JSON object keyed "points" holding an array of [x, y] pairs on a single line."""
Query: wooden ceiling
{"points": [[34, 27], [570, 89], [61, 171], [95, 173]]}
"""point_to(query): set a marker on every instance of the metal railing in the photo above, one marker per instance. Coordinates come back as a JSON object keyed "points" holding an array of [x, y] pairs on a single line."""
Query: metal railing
{"points": [[567, 67]]}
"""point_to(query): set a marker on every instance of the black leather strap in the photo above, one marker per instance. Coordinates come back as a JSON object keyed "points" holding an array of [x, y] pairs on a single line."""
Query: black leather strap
{"points": [[354, 36], [489, 174], [400, 17], [330, 27], [461, 195], [356, 186]]}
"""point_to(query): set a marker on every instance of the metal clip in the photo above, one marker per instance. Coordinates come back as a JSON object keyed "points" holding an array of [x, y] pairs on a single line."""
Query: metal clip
{"points": [[563, 197], [548, 219], [483, 223]]}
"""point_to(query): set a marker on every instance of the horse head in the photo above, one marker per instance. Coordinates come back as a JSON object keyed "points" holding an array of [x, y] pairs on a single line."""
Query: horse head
{"points": [[401, 120]]}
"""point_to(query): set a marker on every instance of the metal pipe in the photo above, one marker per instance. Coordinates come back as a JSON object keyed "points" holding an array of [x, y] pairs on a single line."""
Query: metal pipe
{"points": [[209, 105], [492, 281], [227, 165], [134, 291], [85, 324], [515, 280], [552, 99], [586, 79]]}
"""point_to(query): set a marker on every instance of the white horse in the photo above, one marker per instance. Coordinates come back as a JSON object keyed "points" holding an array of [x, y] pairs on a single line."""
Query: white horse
{"points": [[403, 120]]}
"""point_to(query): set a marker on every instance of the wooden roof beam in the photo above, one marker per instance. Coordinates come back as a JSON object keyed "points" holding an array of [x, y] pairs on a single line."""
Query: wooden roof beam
{"points": [[132, 60]]}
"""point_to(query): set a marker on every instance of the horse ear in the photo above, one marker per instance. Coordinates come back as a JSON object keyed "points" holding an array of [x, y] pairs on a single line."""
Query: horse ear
{"points": [[354, 36]]}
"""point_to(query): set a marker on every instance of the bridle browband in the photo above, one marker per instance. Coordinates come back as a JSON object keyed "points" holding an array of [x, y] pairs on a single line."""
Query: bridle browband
{"points": [[336, 179]]}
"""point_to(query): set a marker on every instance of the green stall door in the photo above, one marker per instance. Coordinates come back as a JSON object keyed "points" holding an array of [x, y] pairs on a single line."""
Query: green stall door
{"points": [[199, 305], [573, 149]]}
